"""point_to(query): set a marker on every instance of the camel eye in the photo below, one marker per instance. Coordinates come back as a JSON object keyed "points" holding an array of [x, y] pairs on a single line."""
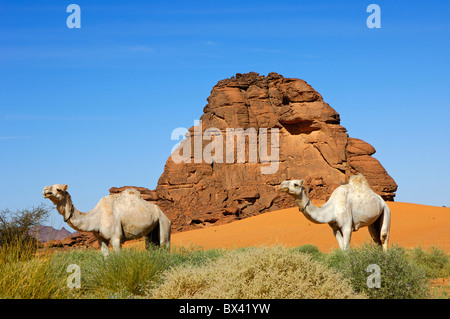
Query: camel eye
{"points": [[296, 185]]}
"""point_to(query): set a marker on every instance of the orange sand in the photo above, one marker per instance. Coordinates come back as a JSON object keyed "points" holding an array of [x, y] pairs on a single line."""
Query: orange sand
{"points": [[411, 225]]}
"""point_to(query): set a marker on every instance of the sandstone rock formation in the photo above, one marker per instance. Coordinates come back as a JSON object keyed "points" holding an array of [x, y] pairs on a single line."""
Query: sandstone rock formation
{"points": [[311, 145], [76, 240]]}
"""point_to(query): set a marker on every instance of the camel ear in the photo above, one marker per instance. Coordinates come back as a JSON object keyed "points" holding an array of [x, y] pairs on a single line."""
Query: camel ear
{"points": [[65, 187], [302, 181]]}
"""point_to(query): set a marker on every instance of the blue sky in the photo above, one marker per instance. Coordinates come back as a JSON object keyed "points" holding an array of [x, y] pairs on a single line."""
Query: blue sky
{"points": [[94, 107]]}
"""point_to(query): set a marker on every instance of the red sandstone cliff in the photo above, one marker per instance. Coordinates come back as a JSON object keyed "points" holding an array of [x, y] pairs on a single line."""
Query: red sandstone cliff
{"points": [[312, 145]]}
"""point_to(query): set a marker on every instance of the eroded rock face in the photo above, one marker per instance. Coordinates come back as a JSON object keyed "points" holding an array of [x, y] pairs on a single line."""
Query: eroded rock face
{"points": [[311, 145], [76, 240]]}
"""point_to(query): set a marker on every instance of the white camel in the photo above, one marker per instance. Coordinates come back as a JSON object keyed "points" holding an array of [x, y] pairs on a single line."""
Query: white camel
{"points": [[349, 208], [116, 218]]}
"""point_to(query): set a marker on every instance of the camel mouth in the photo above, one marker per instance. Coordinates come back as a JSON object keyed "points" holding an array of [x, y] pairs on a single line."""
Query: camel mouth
{"points": [[284, 189], [48, 194]]}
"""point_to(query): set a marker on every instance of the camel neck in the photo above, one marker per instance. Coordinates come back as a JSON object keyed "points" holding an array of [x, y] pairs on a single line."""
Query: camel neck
{"points": [[317, 215], [73, 217]]}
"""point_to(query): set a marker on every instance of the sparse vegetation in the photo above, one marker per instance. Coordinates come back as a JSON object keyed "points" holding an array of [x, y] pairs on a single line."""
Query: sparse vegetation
{"points": [[258, 272], [130, 273]]}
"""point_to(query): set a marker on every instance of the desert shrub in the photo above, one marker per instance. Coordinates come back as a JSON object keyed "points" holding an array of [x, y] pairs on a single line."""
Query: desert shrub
{"points": [[274, 272], [434, 262], [400, 279], [16, 242]]}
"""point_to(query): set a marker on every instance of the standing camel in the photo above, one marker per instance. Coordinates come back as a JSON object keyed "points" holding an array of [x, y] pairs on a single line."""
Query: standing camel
{"points": [[116, 218], [349, 208]]}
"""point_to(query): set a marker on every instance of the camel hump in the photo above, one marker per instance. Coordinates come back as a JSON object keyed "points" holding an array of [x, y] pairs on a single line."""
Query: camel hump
{"points": [[359, 181]]}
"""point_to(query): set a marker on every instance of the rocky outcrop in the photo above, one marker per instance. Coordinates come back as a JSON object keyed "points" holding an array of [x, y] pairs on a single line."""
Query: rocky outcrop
{"points": [[146, 193], [212, 179], [76, 240], [359, 155]]}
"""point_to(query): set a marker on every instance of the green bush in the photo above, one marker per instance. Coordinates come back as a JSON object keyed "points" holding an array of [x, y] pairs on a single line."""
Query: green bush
{"points": [[274, 272], [400, 279], [434, 262]]}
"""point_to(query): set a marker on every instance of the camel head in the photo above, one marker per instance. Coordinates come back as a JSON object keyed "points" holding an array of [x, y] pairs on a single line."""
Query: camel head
{"points": [[294, 187], [56, 193]]}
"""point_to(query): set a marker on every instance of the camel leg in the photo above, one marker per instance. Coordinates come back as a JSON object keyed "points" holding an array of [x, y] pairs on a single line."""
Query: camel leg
{"points": [[104, 247], [160, 235], [164, 231], [379, 230], [338, 235], [346, 237], [374, 231], [116, 244]]}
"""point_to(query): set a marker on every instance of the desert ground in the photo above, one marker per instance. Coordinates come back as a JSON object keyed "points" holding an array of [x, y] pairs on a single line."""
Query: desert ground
{"points": [[411, 225]]}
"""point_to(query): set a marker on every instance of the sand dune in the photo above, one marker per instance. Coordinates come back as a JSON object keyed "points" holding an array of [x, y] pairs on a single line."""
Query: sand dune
{"points": [[411, 225]]}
